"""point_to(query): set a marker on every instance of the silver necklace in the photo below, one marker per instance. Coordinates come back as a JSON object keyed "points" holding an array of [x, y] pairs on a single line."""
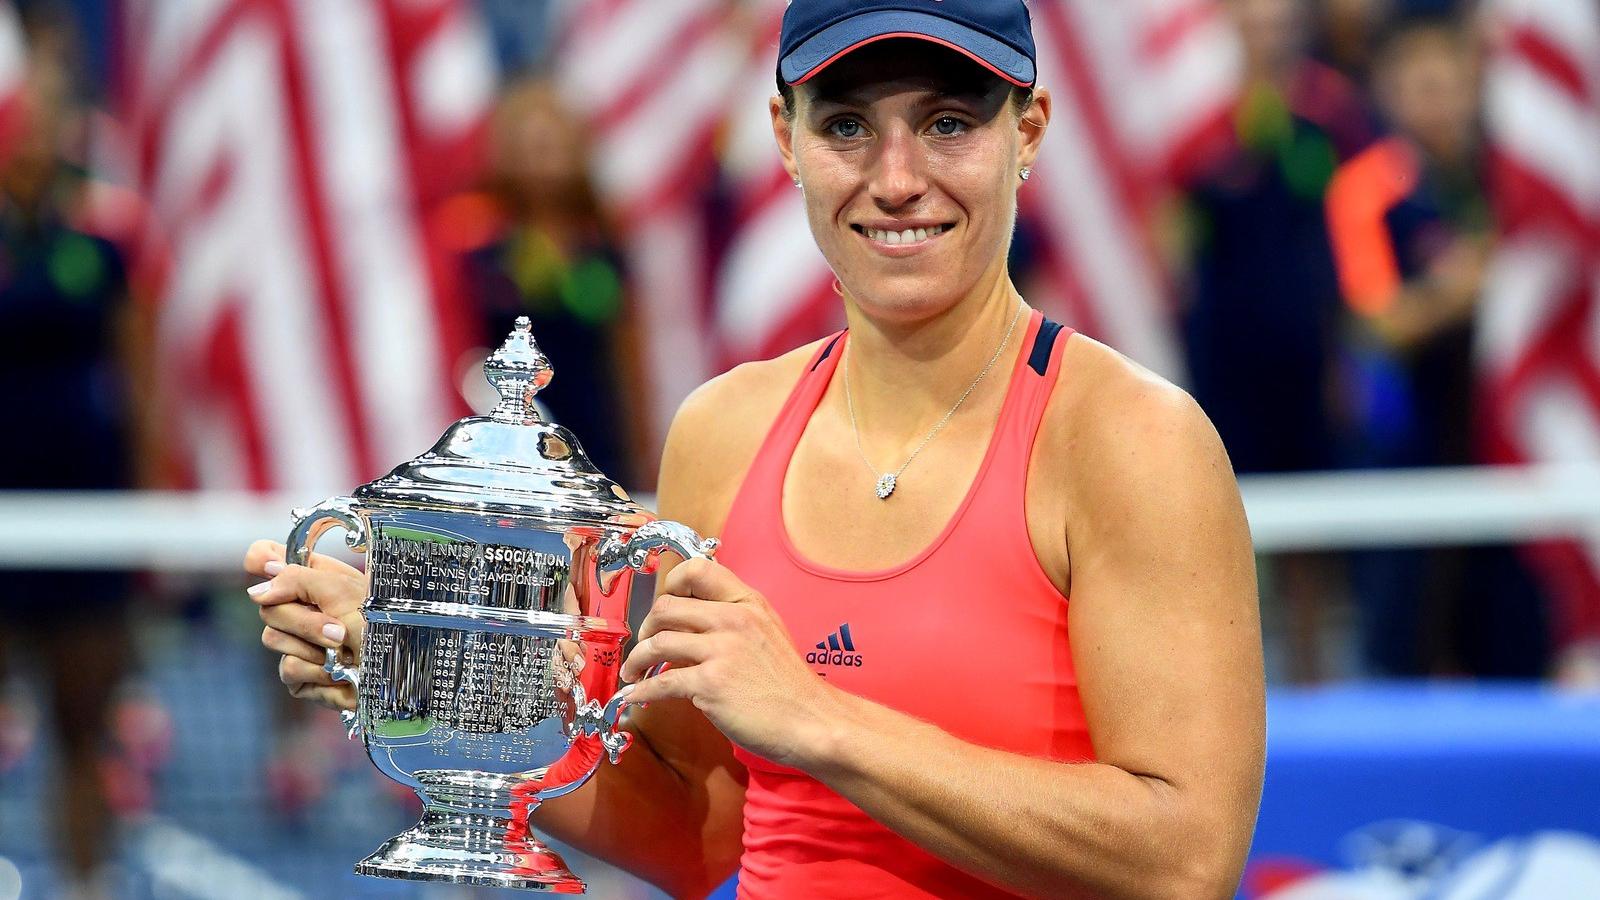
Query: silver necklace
{"points": [[887, 480]]}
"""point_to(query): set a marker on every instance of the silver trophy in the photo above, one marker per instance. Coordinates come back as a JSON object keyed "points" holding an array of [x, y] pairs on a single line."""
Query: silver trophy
{"points": [[499, 566]]}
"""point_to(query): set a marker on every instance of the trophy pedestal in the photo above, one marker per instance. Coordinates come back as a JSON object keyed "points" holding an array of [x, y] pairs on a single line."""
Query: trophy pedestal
{"points": [[481, 843]]}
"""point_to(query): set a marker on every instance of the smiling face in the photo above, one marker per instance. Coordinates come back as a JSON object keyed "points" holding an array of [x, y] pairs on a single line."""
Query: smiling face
{"points": [[909, 154]]}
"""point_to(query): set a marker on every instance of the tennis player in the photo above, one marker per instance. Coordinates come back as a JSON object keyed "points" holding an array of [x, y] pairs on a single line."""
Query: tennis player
{"points": [[882, 689]]}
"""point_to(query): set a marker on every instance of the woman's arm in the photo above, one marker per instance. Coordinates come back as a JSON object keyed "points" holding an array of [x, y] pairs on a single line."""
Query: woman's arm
{"points": [[1166, 643]]}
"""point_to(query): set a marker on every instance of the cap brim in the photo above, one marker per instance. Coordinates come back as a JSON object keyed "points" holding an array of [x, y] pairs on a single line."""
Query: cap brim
{"points": [[829, 44]]}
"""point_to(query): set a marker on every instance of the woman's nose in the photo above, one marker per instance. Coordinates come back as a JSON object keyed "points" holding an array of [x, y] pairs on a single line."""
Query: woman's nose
{"points": [[900, 178]]}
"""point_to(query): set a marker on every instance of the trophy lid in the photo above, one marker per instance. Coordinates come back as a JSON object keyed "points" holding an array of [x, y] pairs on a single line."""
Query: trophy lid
{"points": [[510, 461]]}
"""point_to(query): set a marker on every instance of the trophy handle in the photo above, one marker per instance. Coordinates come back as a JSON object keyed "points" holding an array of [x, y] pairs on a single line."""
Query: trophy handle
{"points": [[605, 723], [641, 550], [309, 526]]}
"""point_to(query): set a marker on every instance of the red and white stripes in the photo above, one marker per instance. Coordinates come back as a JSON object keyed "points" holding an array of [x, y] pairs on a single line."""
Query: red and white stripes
{"points": [[654, 78], [13, 71], [1137, 85], [1540, 321], [288, 149]]}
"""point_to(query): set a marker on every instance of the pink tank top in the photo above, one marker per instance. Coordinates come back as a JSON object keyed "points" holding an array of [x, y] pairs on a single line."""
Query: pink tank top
{"points": [[970, 635]]}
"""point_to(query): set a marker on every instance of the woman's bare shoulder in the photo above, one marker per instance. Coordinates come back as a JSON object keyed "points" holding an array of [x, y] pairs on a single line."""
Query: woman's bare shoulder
{"points": [[1128, 463], [1109, 413], [717, 431]]}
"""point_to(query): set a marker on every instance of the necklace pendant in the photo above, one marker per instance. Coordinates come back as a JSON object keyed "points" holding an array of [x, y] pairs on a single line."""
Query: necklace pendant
{"points": [[885, 486]]}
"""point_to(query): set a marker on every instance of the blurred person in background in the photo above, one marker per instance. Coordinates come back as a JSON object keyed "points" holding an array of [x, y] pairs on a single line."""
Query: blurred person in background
{"points": [[1346, 31], [1263, 299], [1349, 31], [1411, 228], [534, 242], [64, 318]]}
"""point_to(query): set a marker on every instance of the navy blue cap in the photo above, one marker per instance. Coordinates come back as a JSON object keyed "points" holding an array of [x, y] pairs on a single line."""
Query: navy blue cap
{"points": [[996, 34]]}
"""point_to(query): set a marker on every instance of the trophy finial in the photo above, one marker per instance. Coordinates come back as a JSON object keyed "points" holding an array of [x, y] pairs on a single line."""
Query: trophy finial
{"points": [[518, 371]]}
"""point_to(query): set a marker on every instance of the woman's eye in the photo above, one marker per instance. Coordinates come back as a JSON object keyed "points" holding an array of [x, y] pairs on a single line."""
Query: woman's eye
{"points": [[948, 125], [846, 128]]}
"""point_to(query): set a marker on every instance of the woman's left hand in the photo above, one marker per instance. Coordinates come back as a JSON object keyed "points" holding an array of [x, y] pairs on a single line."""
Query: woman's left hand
{"points": [[732, 657]]}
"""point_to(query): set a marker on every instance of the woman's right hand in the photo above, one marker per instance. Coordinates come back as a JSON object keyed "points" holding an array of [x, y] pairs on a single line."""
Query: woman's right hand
{"points": [[308, 610]]}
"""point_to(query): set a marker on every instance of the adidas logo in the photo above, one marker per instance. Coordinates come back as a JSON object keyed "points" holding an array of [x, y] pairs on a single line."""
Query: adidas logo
{"points": [[837, 649]]}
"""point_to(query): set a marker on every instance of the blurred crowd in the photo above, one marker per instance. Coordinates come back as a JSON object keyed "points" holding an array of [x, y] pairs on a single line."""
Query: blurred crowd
{"points": [[1329, 255], [1334, 256]]}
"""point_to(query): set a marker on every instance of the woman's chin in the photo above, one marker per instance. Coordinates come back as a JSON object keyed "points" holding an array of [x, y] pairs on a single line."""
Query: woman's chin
{"points": [[905, 301]]}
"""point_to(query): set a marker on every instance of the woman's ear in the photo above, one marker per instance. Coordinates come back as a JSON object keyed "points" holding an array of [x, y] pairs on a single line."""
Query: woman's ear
{"points": [[1031, 126], [783, 132]]}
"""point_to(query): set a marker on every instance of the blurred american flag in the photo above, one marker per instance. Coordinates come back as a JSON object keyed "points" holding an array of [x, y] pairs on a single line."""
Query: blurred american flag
{"points": [[677, 95], [289, 151], [1540, 326], [13, 65]]}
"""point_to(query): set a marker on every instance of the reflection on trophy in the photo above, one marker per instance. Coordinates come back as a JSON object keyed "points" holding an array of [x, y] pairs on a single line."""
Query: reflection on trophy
{"points": [[499, 569]]}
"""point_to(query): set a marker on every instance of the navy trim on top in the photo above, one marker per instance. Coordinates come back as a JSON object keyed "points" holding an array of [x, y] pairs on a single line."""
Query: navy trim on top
{"points": [[1043, 343], [826, 350]]}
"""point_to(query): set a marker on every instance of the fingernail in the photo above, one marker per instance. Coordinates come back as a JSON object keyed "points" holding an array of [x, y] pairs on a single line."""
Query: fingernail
{"points": [[273, 567], [333, 631], [256, 590]]}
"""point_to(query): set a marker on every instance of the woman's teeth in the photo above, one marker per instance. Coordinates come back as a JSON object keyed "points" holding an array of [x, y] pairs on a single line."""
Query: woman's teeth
{"points": [[908, 236]]}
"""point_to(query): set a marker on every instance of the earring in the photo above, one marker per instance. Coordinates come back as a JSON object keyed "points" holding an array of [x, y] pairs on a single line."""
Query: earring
{"points": [[799, 185], [1026, 173]]}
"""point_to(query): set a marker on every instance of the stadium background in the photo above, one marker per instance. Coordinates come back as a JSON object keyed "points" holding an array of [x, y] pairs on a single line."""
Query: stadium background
{"points": [[253, 249]]}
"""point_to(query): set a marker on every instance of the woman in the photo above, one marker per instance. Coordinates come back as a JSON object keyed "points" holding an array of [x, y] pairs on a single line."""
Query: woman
{"points": [[882, 687]]}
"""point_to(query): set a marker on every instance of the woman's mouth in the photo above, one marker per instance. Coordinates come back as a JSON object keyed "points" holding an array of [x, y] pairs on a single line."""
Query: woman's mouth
{"points": [[906, 237]]}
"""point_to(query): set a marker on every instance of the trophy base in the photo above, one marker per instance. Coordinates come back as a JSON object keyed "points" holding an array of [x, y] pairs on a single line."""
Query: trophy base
{"points": [[452, 845], [536, 868]]}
